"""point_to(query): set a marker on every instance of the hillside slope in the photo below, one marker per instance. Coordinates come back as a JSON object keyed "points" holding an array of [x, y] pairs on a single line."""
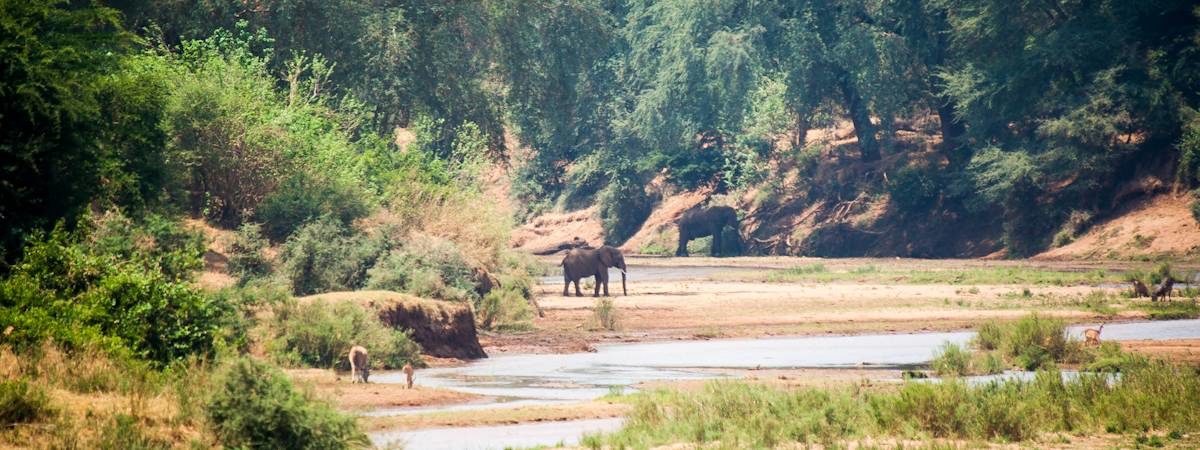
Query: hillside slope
{"points": [[1158, 226]]}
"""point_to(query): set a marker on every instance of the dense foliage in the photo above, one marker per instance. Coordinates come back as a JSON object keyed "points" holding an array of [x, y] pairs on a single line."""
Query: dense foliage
{"points": [[115, 284], [319, 334], [255, 406]]}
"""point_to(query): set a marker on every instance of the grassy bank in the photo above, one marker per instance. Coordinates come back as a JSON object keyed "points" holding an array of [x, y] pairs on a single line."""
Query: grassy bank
{"points": [[969, 276], [1149, 399]]}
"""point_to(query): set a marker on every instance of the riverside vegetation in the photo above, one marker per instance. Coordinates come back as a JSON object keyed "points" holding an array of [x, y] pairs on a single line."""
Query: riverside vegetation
{"points": [[343, 145], [1150, 400]]}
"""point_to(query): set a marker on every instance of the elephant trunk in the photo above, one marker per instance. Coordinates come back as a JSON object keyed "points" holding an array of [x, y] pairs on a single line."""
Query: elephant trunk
{"points": [[623, 290]]}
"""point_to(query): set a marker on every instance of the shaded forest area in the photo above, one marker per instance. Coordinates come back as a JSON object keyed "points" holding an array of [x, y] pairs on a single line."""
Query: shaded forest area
{"points": [[1040, 110]]}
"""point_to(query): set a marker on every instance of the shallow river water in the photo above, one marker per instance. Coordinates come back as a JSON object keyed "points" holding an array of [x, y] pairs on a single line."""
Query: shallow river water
{"points": [[510, 380]]}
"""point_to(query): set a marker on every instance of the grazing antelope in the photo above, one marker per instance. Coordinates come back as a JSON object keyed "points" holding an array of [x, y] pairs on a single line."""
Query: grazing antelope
{"points": [[1140, 290], [1164, 290], [408, 373], [1091, 336], [360, 364]]}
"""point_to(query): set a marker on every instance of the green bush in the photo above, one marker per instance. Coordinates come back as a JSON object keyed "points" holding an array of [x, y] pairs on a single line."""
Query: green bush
{"points": [[22, 403], [320, 334], [425, 266], [1032, 342], [254, 405], [951, 359], [1196, 209], [156, 243], [505, 309], [624, 206], [604, 312], [246, 258], [83, 289], [324, 256], [304, 197], [914, 190]]}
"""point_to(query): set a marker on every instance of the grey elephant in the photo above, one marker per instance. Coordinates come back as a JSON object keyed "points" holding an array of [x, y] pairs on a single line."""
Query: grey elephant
{"points": [[712, 221], [583, 262]]}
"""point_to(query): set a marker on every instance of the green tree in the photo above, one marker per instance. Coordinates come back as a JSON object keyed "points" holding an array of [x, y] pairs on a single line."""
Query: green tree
{"points": [[54, 100]]}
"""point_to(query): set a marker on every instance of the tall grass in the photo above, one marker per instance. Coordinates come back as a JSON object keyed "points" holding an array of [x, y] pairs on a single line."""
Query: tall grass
{"points": [[605, 314], [1033, 342], [21, 402], [320, 334], [734, 414]]}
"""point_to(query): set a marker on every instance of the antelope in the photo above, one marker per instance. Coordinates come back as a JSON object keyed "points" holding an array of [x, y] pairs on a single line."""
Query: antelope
{"points": [[360, 364], [408, 373], [1140, 290], [1091, 336], [1164, 290]]}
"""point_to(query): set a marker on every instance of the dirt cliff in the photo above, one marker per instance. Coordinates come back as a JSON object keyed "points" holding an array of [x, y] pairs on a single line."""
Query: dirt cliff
{"points": [[444, 329]]}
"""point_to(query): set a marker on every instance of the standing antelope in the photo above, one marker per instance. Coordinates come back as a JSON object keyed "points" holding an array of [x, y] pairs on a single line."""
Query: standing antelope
{"points": [[408, 373], [1140, 290], [360, 364], [1091, 336]]}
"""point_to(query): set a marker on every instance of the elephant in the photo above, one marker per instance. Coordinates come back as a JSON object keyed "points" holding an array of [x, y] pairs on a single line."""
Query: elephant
{"points": [[711, 221], [582, 263]]}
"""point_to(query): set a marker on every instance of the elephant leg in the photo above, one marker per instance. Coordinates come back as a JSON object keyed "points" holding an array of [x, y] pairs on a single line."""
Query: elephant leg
{"points": [[566, 286], [596, 286], [604, 279], [578, 293], [715, 249], [682, 250]]}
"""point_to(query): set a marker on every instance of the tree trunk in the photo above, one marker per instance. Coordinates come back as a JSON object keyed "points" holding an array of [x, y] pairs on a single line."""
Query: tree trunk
{"points": [[861, 117], [799, 130], [953, 133]]}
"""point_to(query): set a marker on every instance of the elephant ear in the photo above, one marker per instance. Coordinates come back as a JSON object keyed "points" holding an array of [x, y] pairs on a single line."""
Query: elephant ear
{"points": [[606, 256]]}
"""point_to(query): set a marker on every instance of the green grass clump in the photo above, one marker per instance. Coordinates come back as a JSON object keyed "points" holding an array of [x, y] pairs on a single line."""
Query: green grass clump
{"points": [[951, 359], [605, 314], [735, 414], [1032, 342], [954, 360], [320, 333], [21, 402], [253, 405], [1187, 309]]}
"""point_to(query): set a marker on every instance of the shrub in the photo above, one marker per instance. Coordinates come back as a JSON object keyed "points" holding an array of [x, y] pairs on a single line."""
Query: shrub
{"points": [[1032, 342], [1196, 209], [506, 309], [951, 359], [605, 314], [324, 256], [320, 334], [246, 258], [304, 197], [81, 290], [425, 266], [624, 206], [22, 403], [914, 190], [156, 243], [1076, 222], [253, 405]]}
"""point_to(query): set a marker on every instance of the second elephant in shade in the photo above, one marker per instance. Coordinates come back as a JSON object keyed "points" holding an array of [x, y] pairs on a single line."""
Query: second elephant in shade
{"points": [[582, 263], [700, 222]]}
